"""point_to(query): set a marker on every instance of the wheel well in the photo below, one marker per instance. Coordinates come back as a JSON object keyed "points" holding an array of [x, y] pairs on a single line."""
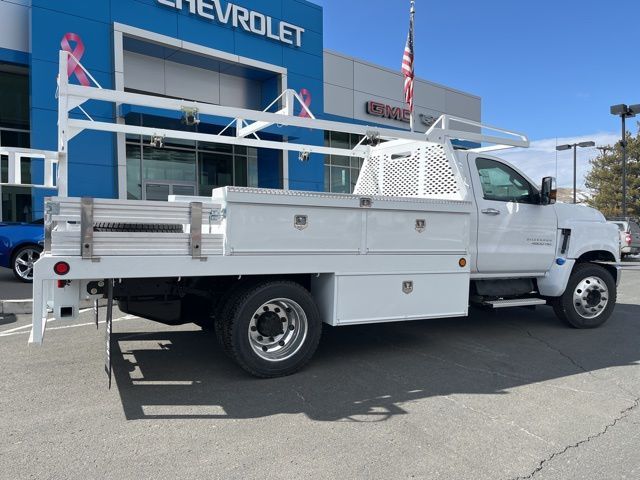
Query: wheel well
{"points": [[596, 256], [230, 283]]}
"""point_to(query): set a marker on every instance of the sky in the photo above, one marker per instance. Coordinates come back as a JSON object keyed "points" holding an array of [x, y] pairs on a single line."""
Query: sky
{"points": [[549, 69]]}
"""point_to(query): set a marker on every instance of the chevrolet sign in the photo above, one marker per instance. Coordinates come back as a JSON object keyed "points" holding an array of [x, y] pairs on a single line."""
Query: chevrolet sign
{"points": [[240, 17]]}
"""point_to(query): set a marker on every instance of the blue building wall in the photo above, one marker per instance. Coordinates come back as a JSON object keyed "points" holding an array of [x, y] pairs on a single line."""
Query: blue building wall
{"points": [[92, 158], [14, 56]]}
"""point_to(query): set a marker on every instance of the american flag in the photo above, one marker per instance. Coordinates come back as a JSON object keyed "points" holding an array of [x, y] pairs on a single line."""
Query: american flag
{"points": [[407, 63]]}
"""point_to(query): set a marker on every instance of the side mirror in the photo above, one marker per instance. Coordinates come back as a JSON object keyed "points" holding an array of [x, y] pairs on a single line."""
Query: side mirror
{"points": [[549, 192]]}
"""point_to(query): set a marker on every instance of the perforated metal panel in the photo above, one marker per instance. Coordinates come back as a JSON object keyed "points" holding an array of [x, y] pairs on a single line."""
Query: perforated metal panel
{"points": [[410, 170], [438, 177]]}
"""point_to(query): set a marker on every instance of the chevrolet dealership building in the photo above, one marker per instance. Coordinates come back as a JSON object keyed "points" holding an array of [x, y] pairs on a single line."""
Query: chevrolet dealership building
{"points": [[241, 54]]}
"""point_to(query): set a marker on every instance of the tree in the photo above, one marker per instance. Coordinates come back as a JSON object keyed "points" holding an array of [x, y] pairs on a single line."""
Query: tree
{"points": [[605, 179]]}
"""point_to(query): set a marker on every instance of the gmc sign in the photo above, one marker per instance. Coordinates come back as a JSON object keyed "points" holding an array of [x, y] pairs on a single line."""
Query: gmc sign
{"points": [[381, 110], [400, 114]]}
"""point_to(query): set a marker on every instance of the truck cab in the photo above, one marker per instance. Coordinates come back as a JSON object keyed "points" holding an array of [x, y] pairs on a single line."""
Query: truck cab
{"points": [[522, 242]]}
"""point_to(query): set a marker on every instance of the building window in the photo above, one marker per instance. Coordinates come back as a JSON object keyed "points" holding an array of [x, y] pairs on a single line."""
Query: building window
{"points": [[341, 173], [185, 167], [16, 201], [14, 106]]}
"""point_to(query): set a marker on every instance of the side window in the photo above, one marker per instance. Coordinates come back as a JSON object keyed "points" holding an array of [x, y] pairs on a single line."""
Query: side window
{"points": [[503, 184]]}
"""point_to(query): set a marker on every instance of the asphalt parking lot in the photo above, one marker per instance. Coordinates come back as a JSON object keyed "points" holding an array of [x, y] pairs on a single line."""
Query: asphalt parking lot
{"points": [[12, 289], [510, 395]]}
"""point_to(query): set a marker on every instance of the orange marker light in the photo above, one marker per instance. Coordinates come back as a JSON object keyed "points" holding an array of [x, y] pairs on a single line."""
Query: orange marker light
{"points": [[462, 262]]}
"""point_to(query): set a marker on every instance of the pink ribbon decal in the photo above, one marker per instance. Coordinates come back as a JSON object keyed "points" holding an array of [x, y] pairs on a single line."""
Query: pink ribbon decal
{"points": [[306, 97], [72, 67]]}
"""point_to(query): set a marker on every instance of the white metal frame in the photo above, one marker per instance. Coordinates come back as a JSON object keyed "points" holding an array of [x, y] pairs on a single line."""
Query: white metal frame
{"points": [[247, 122], [14, 159], [441, 130], [15, 156]]}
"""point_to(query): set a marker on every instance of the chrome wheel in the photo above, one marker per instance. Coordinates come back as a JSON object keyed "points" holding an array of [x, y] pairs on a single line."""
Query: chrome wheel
{"points": [[590, 297], [278, 329], [23, 263]]}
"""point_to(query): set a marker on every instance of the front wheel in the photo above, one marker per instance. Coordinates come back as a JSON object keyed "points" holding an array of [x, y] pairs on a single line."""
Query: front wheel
{"points": [[589, 299], [272, 329]]}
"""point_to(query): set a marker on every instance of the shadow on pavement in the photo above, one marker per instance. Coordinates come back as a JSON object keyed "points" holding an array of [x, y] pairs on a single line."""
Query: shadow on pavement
{"points": [[366, 373]]}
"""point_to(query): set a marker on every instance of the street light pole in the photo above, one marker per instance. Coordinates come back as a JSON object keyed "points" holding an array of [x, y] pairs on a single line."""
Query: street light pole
{"points": [[624, 111], [575, 146], [575, 169], [624, 166]]}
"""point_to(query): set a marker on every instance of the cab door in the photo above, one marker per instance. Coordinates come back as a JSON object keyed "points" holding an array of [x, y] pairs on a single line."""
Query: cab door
{"points": [[515, 233]]}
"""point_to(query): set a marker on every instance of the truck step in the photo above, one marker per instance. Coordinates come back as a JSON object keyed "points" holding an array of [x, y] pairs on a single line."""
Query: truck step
{"points": [[518, 302]]}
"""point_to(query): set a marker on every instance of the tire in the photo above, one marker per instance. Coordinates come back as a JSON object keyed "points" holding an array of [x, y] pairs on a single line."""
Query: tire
{"points": [[224, 312], [137, 227], [272, 329], [589, 299], [22, 262]]}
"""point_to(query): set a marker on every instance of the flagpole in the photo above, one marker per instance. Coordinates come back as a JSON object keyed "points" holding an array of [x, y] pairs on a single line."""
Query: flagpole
{"points": [[413, 15], [408, 66]]}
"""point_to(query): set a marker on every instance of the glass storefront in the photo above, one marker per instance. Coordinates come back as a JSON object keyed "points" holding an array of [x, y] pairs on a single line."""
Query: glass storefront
{"points": [[341, 173], [185, 168], [16, 204], [15, 132]]}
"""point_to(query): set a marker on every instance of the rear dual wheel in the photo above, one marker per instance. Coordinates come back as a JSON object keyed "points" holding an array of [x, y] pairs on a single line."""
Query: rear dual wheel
{"points": [[271, 329]]}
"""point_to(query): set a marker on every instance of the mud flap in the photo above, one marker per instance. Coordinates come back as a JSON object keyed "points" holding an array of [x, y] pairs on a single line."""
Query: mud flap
{"points": [[108, 331]]}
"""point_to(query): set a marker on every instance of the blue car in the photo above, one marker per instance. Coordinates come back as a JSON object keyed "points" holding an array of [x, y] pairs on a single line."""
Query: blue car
{"points": [[20, 246]]}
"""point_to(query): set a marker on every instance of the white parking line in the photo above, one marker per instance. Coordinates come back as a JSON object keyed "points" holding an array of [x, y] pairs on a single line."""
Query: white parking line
{"points": [[53, 319], [15, 329], [10, 333]]}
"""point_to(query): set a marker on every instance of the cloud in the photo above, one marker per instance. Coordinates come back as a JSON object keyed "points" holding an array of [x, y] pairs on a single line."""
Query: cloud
{"points": [[542, 159]]}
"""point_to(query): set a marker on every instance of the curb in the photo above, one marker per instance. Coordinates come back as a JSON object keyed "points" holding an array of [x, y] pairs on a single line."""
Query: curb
{"points": [[25, 307], [16, 307]]}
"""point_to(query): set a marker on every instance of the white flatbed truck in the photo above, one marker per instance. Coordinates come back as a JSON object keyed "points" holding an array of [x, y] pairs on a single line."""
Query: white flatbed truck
{"points": [[428, 231]]}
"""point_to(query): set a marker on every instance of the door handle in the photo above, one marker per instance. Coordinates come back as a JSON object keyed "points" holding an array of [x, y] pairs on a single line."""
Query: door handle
{"points": [[491, 211]]}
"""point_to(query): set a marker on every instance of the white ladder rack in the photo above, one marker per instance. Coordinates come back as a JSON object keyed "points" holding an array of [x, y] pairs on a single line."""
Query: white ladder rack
{"points": [[248, 123]]}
